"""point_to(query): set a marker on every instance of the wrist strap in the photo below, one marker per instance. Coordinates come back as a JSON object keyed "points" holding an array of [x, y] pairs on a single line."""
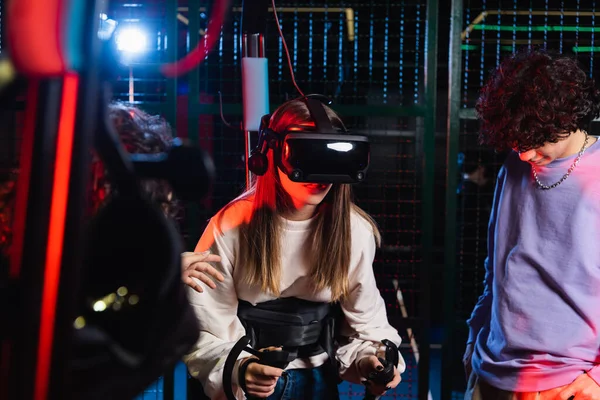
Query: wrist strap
{"points": [[242, 372], [230, 363]]}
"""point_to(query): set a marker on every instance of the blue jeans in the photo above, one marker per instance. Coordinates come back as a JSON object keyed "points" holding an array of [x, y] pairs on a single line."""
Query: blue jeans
{"points": [[301, 384]]}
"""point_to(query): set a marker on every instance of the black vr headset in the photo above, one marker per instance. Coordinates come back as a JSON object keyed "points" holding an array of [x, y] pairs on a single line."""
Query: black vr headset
{"points": [[323, 154]]}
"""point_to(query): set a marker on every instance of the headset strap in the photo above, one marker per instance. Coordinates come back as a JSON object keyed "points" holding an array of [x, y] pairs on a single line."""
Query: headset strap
{"points": [[319, 115]]}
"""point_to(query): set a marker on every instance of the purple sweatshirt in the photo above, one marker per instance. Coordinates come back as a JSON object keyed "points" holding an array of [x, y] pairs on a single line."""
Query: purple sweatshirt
{"points": [[537, 324]]}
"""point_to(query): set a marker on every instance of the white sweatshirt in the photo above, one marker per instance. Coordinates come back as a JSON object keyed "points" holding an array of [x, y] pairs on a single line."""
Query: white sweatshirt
{"points": [[216, 309]]}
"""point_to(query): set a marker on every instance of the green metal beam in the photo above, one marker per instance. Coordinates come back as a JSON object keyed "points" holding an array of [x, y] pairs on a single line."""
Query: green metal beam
{"points": [[170, 107], [428, 179], [474, 47], [453, 131], [586, 49]]}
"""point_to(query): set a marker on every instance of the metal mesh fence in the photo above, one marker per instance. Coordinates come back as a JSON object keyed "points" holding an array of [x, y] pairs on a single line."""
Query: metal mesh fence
{"points": [[143, 43], [370, 58], [491, 31]]}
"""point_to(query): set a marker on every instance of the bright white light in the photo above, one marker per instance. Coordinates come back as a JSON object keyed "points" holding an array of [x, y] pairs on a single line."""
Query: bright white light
{"points": [[340, 146], [131, 40], [99, 306]]}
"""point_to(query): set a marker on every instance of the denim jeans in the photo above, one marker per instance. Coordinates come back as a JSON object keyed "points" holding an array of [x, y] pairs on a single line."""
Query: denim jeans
{"points": [[301, 384]]}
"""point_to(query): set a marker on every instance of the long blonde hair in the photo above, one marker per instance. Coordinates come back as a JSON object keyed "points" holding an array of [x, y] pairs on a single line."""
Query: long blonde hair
{"points": [[330, 235]]}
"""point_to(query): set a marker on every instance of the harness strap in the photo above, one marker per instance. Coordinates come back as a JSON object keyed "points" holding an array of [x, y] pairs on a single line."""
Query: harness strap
{"points": [[230, 363], [242, 373], [277, 359]]}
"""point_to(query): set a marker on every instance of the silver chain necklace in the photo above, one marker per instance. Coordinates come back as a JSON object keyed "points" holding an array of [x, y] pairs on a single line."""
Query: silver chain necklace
{"points": [[565, 176]]}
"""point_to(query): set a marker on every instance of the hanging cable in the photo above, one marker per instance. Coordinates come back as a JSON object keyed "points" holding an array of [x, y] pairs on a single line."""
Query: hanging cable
{"points": [[287, 52], [227, 124]]}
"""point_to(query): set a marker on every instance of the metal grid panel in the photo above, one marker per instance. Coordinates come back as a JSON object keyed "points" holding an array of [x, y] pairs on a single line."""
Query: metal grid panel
{"points": [[149, 18], [495, 29], [357, 78], [367, 53], [138, 80], [492, 30], [373, 67]]}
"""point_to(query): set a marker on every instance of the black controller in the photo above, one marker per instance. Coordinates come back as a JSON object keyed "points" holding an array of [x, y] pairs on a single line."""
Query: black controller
{"points": [[277, 359], [386, 375]]}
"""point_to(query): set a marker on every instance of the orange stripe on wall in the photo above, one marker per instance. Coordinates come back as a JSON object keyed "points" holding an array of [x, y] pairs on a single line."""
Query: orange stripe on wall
{"points": [[56, 230]]}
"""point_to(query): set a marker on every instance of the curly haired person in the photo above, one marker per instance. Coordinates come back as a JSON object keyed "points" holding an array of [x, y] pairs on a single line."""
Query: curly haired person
{"points": [[534, 331]]}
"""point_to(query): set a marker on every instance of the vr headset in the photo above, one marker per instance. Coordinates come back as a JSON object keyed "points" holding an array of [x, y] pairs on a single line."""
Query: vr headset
{"points": [[323, 154]]}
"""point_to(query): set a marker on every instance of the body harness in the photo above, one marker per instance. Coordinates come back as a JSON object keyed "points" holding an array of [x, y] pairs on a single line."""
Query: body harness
{"points": [[302, 329]]}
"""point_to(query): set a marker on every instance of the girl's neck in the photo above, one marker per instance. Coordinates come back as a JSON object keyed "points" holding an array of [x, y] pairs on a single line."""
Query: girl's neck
{"points": [[300, 214]]}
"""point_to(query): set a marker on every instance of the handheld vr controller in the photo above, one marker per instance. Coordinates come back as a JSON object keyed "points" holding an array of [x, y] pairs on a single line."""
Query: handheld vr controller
{"points": [[386, 375]]}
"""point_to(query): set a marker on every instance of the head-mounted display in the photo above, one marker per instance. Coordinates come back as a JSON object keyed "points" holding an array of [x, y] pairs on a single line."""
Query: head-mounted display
{"points": [[323, 154]]}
